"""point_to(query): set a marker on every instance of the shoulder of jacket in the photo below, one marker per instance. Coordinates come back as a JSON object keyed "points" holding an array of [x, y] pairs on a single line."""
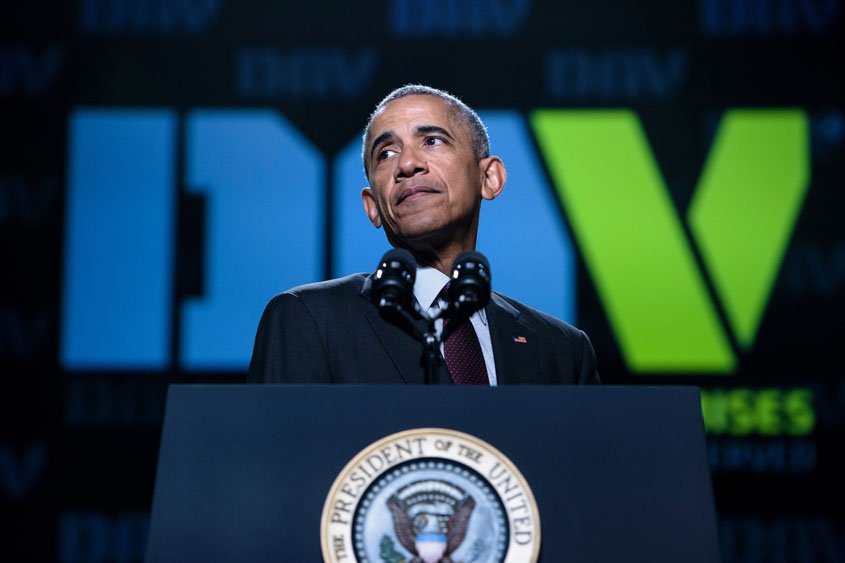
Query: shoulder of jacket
{"points": [[538, 319], [334, 288]]}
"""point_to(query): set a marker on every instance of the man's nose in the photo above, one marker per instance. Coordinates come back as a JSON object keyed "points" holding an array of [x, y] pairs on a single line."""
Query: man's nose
{"points": [[411, 162]]}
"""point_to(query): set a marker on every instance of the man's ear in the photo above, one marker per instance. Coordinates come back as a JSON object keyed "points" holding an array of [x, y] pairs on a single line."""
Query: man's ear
{"points": [[370, 207], [494, 178]]}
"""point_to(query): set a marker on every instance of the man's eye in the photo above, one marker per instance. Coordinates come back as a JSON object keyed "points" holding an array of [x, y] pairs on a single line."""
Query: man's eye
{"points": [[434, 141], [386, 153]]}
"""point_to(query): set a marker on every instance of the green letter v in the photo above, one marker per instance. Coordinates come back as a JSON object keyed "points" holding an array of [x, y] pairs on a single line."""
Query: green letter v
{"points": [[632, 241]]}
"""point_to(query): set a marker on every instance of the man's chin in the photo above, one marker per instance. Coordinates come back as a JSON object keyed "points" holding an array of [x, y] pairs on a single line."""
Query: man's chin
{"points": [[419, 235]]}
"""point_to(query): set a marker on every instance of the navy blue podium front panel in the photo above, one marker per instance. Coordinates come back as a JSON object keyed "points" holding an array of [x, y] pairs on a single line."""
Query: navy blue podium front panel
{"points": [[619, 474]]}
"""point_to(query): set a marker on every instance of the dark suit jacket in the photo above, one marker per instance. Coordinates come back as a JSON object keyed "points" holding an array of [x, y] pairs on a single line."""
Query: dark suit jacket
{"points": [[330, 332]]}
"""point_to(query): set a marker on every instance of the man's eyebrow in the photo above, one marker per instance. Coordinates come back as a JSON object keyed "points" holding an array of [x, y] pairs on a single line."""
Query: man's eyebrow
{"points": [[420, 130], [386, 136], [428, 129]]}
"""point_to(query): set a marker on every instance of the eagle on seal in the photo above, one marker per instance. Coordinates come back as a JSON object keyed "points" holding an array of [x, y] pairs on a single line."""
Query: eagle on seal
{"points": [[424, 536]]}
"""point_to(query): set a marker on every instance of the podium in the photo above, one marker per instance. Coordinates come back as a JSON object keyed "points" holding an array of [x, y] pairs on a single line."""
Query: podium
{"points": [[617, 473]]}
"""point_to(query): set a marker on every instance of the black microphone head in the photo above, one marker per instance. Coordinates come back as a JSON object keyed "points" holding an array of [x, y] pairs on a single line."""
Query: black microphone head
{"points": [[469, 289], [393, 283]]}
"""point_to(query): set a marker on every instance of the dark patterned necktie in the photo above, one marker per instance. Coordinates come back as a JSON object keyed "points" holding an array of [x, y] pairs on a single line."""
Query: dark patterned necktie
{"points": [[462, 353]]}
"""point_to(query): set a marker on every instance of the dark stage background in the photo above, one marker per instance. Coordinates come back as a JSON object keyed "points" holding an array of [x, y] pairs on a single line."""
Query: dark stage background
{"points": [[675, 190]]}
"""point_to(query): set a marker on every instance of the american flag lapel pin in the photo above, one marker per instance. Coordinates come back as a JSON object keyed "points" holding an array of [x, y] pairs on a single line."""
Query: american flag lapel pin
{"points": [[520, 340]]}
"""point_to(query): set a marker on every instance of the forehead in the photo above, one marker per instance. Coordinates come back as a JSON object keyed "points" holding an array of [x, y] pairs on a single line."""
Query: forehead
{"points": [[412, 111]]}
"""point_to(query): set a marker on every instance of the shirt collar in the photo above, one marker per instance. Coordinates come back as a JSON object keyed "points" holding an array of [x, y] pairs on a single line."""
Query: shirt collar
{"points": [[429, 283]]}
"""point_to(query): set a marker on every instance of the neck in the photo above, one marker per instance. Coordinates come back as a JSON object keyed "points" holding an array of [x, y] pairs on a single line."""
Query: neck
{"points": [[441, 260], [439, 249], [440, 257]]}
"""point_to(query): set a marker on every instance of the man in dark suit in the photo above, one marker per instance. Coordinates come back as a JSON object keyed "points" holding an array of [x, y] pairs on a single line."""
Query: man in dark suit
{"points": [[426, 156]]}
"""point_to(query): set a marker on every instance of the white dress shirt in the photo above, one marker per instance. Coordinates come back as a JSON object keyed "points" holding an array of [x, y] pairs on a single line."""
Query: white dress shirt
{"points": [[427, 286]]}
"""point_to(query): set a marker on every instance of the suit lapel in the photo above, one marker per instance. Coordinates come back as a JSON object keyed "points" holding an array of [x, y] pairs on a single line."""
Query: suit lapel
{"points": [[404, 351], [515, 346]]}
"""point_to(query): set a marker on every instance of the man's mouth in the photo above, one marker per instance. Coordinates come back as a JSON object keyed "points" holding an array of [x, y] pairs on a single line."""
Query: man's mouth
{"points": [[414, 192]]}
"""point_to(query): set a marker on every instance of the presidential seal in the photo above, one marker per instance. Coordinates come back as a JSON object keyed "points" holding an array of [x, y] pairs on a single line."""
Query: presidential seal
{"points": [[430, 495]]}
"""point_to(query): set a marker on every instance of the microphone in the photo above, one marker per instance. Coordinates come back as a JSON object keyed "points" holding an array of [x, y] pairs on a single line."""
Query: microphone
{"points": [[469, 289], [393, 295], [393, 284]]}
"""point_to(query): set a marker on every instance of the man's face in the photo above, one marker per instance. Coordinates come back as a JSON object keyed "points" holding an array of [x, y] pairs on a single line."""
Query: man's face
{"points": [[426, 184]]}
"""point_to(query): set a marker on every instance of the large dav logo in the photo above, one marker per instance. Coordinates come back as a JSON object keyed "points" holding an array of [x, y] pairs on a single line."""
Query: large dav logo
{"points": [[262, 188]]}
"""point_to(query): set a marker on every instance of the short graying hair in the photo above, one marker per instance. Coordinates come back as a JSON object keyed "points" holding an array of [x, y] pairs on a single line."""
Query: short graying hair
{"points": [[478, 132]]}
